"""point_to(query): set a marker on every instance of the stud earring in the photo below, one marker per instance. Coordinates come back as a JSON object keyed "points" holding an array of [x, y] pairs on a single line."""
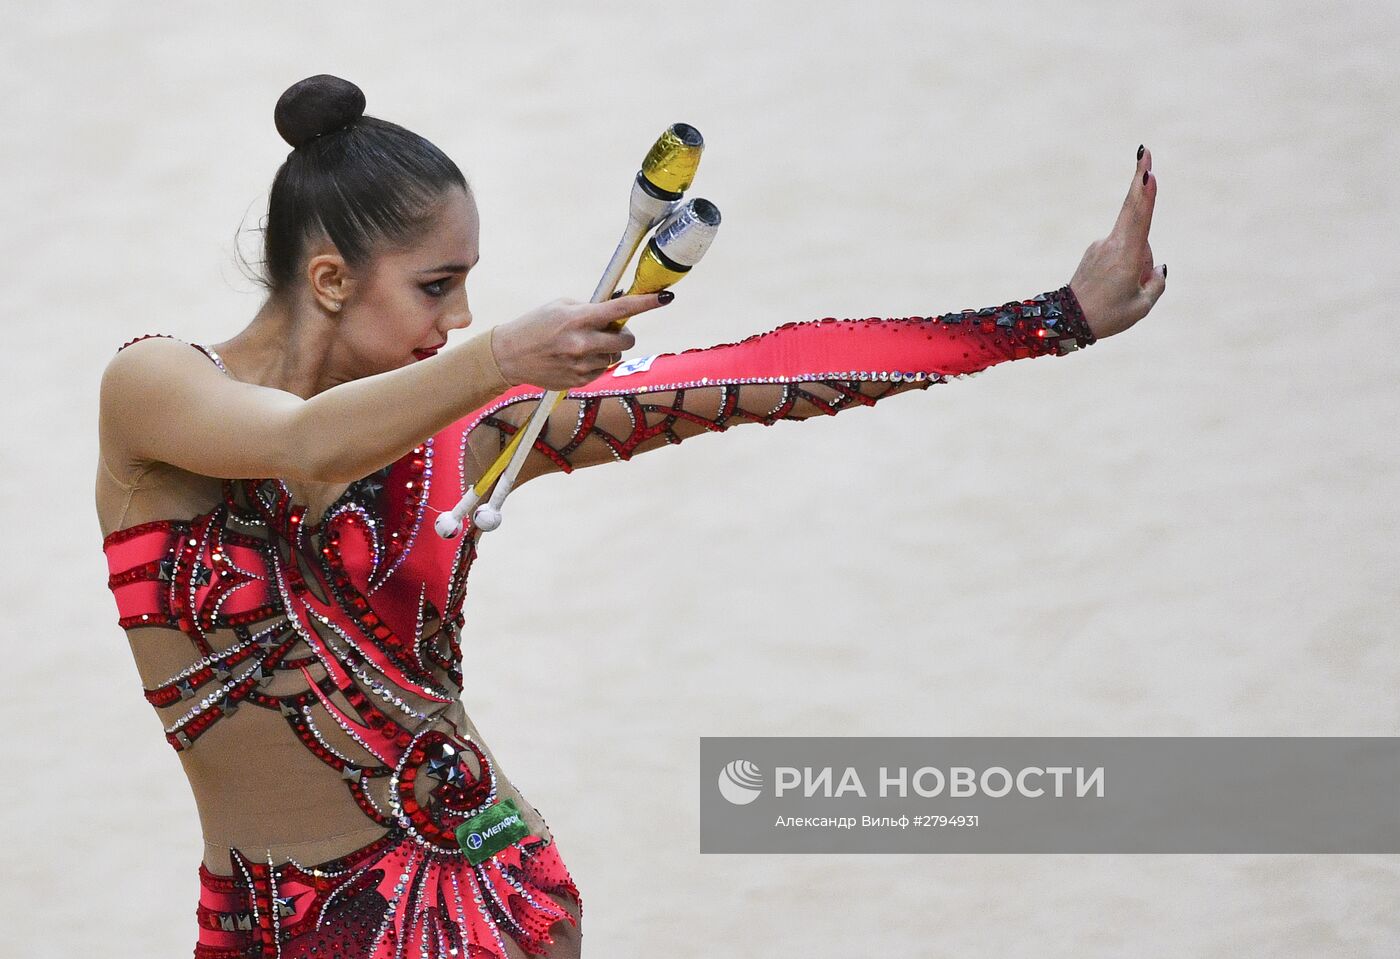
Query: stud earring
{"points": [[335, 305]]}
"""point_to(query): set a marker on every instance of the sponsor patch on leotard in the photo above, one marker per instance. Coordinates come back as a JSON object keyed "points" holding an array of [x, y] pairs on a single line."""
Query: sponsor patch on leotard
{"points": [[491, 830], [634, 365]]}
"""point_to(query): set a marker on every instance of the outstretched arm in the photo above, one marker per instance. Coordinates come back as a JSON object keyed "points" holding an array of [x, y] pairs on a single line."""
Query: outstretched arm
{"points": [[799, 370]]}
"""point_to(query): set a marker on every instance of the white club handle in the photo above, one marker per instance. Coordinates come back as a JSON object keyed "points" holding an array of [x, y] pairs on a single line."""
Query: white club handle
{"points": [[644, 212]]}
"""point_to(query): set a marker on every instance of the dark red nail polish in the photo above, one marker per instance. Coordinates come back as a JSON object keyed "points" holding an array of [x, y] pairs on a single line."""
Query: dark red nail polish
{"points": [[1139, 151], [1164, 271], [1144, 178], [665, 296]]}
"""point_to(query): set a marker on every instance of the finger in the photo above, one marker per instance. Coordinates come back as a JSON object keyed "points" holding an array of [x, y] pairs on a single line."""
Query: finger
{"points": [[1145, 265], [1143, 224], [1155, 286], [608, 342], [599, 364], [602, 314], [1135, 218]]}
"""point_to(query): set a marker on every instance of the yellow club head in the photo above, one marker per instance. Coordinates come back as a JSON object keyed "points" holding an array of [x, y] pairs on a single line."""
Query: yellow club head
{"points": [[671, 163], [680, 242]]}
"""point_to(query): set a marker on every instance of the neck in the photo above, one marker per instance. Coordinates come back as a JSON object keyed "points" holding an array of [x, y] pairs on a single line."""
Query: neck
{"points": [[287, 346]]}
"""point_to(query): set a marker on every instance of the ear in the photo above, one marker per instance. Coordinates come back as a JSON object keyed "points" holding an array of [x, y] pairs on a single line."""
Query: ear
{"points": [[330, 279]]}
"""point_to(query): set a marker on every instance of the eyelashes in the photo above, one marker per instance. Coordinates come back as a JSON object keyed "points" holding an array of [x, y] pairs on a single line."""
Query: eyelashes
{"points": [[436, 288]]}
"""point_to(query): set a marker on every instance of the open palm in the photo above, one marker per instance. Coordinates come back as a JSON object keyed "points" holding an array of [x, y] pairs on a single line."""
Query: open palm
{"points": [[1116, 283]]}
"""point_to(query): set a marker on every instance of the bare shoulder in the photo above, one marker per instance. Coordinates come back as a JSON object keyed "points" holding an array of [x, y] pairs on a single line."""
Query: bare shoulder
{"points": [[152, 361], [162, 427], [143, 388]]}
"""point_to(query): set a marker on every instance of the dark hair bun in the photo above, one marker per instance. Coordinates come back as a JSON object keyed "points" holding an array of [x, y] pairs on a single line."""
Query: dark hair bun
{"points": [[315, 106]]}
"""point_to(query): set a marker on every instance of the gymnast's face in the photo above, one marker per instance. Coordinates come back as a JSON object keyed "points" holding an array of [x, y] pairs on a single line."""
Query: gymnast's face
{"points": [[398, 308]]}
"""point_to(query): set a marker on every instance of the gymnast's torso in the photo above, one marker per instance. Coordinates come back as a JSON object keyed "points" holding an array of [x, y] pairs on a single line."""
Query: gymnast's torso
{"points": [[301, 647], [244, 584]]}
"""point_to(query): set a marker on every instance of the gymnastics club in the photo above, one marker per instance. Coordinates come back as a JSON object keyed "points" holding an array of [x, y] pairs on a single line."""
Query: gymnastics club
{"points": [[679, 243], [665, 175]]}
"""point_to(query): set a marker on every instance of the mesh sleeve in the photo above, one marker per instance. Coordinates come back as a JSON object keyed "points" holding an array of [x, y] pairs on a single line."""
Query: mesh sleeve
{"points": [[793, 372]]}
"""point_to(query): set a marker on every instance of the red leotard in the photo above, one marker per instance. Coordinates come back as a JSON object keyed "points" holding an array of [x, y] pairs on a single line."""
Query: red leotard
{"points": [[350, 623]]}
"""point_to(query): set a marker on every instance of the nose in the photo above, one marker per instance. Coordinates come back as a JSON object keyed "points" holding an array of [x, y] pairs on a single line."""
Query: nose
{"points": [[460, 319]]}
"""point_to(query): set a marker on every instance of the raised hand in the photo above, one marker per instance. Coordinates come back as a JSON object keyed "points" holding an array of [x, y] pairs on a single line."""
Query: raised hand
{"points": [[1116, 283]]}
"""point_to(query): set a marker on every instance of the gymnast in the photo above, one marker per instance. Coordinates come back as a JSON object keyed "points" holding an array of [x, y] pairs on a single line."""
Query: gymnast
{"points": [[267, 507]]}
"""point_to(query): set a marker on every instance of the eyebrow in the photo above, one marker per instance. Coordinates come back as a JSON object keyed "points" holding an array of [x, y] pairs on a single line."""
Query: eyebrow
{"points": [[451, 268]]}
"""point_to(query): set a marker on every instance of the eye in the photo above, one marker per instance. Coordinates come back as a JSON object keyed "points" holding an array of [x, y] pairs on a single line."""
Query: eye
{"points": [[436, 287]]}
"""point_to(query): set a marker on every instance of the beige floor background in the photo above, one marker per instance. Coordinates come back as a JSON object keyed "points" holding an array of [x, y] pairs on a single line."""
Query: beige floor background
{"points": [[1187, 530]]}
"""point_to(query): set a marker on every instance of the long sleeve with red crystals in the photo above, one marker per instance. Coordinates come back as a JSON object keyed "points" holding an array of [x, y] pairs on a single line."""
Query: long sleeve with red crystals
{"points": [[799, 370]]}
